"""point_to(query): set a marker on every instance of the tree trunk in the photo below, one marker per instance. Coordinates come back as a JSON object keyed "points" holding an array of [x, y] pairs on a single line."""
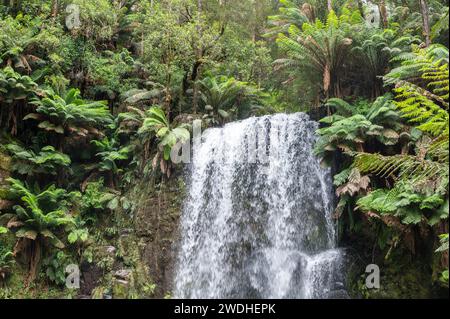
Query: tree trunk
{"points": [[426, 21], [330, 5], [195, 98], [35, 257], [54, 8], [383, 13]]}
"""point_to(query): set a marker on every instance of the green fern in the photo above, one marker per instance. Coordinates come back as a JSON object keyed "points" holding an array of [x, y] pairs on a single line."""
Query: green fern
{"points": [[70, 114], [110, 153], [28, 162], [405, 203], [353, 125], [319, 47], [39, 217], [157, 125], [407, 167]]}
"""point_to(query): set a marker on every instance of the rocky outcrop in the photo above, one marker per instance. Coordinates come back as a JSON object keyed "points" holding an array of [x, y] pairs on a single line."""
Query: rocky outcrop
{"points": [[139, 261], [156, 222]]}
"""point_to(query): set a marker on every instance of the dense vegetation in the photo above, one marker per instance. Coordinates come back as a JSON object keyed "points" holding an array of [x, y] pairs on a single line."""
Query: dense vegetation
{"points": [[90, 104]]}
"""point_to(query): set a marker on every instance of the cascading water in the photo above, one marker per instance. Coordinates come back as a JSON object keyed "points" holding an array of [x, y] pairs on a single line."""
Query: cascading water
{"points": [[258, 219]]}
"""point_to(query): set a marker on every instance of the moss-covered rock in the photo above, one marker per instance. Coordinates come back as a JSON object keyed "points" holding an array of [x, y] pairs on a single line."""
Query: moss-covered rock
{"points": [[121, 289], [402, 276], [150, 248], [5, 162], [5, 166]]}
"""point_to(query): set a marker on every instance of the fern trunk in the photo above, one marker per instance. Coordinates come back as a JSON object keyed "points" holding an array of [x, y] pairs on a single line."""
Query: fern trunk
{"points": [[35, 258]]}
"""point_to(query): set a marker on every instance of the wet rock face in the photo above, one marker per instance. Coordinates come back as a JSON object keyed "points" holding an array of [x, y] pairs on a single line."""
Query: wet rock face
{"points": [[91, 275], [156, 223]]}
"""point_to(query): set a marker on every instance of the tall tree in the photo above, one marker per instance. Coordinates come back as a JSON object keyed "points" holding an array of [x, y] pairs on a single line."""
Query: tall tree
{"points": [[199, 54], [426, 21]]}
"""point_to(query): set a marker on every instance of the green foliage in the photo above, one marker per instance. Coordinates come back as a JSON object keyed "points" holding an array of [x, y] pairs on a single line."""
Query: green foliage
{"points": [[223, 96], [320, 48], [431, 173], [110, 153], [136, 96], [289, 14], [444, 244], [445, 277], [55, 267], [39, 214], [407, 204], [404, 186], [426, 105], [15, 87], [100, 19], [353, 126], [6, 262], [441, 26], [96, 198], [430, 63], [375, 51], [70, 114], [429, 112], [110, 72], [156, 124], [28, 162], [443, 248], [15, 90], [16, 35], [78, 236], [214, 62]]}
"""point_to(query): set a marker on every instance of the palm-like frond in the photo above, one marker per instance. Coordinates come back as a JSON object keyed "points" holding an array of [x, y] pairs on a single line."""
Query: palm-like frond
{"points": [[289, 14], [39, 214], [416, 170], [320, 46], [354, 125], [28, 162], [421, 180], [110, 153], [70, 114], [404, 203]]}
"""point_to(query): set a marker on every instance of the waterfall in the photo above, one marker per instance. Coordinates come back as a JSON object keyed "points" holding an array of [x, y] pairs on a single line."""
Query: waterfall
{"points": [[257, 222]]}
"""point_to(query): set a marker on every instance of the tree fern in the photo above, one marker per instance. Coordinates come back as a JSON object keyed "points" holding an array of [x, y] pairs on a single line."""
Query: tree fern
{"points": [[417, 171], [420, 187], [28, 162], [70, 114], [38, 217], [354, 125], [319, 47], [406, 204], [157, 125]]}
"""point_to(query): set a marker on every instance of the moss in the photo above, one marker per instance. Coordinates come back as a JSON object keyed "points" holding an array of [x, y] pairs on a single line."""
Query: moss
{"points": [[5, 165], [99, 292], [5, 162], [15, 288], [120, 289], [402, 277]]}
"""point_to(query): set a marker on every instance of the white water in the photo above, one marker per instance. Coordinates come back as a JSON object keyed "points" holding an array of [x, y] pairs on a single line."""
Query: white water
{"points": [[258, 228]]}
